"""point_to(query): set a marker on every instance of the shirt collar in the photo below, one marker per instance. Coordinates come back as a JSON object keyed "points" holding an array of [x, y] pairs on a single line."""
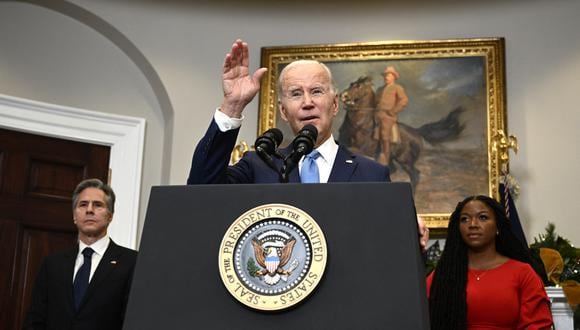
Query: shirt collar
{"points": [[99, 246], [328, 150]]}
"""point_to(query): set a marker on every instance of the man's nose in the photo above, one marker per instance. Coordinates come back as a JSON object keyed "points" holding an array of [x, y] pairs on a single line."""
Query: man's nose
{"points": [[90, 207], [307, 98], [307, 102]]}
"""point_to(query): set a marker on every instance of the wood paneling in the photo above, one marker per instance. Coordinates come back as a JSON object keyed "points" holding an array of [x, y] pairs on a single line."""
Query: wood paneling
{"points": [[37, 177]]}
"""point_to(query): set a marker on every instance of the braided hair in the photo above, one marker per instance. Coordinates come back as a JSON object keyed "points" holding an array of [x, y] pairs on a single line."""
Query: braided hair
{"points": [[448, 299]]}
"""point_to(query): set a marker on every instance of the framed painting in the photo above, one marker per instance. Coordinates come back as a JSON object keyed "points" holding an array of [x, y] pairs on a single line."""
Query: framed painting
{"points": [[451, 107]]}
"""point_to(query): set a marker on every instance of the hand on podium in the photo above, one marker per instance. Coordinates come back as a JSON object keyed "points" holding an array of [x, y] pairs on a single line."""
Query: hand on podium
{"points": [[423, 234]]}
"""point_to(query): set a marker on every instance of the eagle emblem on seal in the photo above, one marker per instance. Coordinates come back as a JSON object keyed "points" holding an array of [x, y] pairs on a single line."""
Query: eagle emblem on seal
{"points": [[272, 254]]}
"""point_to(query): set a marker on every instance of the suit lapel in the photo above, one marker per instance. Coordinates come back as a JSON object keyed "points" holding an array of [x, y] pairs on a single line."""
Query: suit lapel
{"points": [[344, 166], [106, 265], [69, 269], [294, 176]]}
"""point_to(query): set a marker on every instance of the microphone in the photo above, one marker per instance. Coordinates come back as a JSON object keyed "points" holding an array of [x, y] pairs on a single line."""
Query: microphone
{"points": [[302, 145], [268, 142], [304, 142]]}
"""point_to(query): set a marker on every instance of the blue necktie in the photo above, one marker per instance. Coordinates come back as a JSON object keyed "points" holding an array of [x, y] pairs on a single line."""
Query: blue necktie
{"points": [[81, 282], [309, 170]]}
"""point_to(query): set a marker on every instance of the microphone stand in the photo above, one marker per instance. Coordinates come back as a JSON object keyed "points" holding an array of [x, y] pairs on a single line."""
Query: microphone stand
{"points": [[290, 163], [284, 173], [269, 160], [266, 158], [286, 169]]}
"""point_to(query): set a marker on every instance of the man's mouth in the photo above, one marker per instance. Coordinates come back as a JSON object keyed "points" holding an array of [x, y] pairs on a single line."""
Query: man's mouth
{"points": [[309, 118]]}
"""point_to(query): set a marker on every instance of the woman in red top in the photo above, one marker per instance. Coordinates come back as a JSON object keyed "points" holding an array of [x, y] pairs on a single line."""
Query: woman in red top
{"points": [[484, 279]]}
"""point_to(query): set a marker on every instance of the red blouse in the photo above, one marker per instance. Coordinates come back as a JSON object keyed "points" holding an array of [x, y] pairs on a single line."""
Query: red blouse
{"points": [[510, 296]]}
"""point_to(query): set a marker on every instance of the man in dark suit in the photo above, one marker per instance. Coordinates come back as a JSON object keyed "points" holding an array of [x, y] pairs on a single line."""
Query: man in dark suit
{"points": [[88, 286], [307, 95]]}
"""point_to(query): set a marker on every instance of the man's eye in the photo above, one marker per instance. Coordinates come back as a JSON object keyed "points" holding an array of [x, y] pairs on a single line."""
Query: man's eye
{"points": [[317, 92]]}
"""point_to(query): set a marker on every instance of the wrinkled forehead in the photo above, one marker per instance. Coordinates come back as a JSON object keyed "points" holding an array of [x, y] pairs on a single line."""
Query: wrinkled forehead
{"points": [[304, 75]]}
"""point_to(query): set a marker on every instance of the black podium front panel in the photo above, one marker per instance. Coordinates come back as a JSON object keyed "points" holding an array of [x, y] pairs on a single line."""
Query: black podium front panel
{"points": [[374, 277]]}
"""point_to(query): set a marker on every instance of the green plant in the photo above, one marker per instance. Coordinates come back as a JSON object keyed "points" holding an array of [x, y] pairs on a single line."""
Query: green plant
{"points": [[562, 263], [570, 254]]}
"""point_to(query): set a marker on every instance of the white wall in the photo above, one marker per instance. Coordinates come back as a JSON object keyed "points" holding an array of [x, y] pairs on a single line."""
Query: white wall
{"points": [[49, 57], [185, 44]]}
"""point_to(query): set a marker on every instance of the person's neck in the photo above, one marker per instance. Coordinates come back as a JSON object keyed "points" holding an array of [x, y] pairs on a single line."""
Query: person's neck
{"points": [[484, 259], [90, 240], [322, 142]]}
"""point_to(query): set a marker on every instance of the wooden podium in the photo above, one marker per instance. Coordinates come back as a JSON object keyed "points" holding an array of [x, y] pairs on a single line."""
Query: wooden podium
{"points": [[374, 277]]}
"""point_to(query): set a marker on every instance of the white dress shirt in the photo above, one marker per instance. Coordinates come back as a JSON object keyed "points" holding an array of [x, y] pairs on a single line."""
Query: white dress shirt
{"points": [[328, 151], [225, 122], [99, 247]]}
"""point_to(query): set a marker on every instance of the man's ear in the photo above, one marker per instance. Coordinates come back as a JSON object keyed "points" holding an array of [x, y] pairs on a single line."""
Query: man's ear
{"points": [[335, 105], [282, 111]]}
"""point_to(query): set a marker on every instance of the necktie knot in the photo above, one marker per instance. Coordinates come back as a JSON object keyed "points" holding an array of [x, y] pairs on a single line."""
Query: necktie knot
{"points": [[314, 154], [309, 171], [88, 252]]}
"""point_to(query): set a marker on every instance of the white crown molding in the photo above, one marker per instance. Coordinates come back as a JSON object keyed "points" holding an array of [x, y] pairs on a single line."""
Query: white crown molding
{"points": [[125, 135]]}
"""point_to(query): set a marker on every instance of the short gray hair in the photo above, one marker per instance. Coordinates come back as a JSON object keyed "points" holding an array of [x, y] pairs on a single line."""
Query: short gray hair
{"points": [[333, 88], [95, 183]]}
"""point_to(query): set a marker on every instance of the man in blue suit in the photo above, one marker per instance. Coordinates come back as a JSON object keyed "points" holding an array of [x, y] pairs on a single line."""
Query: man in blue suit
{"points": [[306, 96]]}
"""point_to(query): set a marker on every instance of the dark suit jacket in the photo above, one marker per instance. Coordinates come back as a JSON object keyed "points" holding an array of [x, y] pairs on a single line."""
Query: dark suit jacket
{"points": [[104, 303], [212, 155]]}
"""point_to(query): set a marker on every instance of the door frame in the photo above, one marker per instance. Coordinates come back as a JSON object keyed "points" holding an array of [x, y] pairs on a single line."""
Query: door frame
{"points": [[125, 136]]}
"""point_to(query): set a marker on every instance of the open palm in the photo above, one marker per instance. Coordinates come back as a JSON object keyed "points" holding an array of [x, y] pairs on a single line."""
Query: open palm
{"points": [[239, 86]]}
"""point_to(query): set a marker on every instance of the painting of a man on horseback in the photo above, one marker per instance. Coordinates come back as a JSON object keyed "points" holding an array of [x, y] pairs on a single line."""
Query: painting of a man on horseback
{"points": [[363, 131], [425, 150]]}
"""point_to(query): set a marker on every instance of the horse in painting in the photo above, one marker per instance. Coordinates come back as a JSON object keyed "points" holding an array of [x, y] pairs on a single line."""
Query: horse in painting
{"points": [[358, 130]]}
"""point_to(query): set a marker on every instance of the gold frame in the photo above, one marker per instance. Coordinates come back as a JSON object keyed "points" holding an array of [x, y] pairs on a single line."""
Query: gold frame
{"points": [[490, 50]]}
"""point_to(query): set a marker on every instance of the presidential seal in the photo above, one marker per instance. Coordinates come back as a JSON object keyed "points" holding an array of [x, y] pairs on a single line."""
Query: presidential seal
{"points": [[272, 257]]}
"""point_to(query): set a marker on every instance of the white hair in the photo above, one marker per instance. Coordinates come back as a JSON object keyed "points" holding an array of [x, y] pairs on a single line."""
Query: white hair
{"points": [[303, 62]]}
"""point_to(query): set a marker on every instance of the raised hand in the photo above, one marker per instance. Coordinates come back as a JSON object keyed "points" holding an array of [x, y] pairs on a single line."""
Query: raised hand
{"points": [[238, 86]]}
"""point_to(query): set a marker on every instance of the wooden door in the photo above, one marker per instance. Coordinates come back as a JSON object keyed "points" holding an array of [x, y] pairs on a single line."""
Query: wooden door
{"points": [[37, 177]]}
